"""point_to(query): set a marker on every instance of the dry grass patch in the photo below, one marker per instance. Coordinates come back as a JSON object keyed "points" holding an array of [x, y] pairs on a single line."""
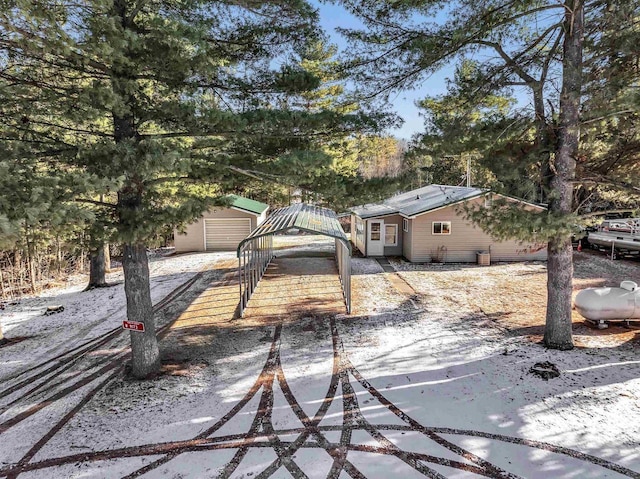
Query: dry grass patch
{"points": [[513, 296]]}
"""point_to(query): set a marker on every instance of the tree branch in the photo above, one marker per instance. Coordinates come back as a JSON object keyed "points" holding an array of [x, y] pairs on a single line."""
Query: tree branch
{"points": [[599, 180], [95, 202]]}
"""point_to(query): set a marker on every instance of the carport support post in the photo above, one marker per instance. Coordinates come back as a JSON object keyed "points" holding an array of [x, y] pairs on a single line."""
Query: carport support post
{"points": [[240, 281], [245, 278], [250, 259], [254, 266], [240, 262], [250, 270], [348, 282]]}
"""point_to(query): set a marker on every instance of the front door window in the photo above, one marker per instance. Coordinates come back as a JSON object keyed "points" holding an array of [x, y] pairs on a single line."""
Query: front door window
{"points": [[375, 232]]}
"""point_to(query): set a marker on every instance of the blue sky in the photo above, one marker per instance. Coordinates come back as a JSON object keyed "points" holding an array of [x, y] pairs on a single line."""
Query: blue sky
{"points": [[332, 16]]}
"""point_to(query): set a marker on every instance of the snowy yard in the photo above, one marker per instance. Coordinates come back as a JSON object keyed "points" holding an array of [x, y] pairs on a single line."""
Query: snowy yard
{"points": [[431, 384]]}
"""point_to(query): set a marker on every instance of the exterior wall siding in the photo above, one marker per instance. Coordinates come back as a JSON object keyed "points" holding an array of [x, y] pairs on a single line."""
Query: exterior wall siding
{"points": [[193, 237], [394, 250], [464, 241], [407, 241]]}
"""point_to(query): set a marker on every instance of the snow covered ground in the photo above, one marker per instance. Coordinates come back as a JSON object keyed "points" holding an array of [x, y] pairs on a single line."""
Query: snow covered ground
{"points": [[86, 314], [407, 386]]}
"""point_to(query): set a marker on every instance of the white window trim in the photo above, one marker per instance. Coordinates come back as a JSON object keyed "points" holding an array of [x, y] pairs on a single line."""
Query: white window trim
{"points": [[405, 225], [395, 235], [433, 224], [370, 231]]}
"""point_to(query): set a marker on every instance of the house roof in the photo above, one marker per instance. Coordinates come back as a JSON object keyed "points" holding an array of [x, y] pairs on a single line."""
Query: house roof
{"points": [[246, 204], [419, 201], [313, 219]]}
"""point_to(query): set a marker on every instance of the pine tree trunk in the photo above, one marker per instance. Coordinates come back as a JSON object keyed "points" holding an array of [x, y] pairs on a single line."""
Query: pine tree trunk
{"points": [[557, 333], [58, 257], [107, 258], [3, 292], [97, 270], [543, 142], [145, 355], [30, 265], [144, 345]]}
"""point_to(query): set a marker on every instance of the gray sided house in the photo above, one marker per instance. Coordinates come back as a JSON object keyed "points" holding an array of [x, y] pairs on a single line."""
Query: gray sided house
{"points": [[222, 229], [426, 225]]}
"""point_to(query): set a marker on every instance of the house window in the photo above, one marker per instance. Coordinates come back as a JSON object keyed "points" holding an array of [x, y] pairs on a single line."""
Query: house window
{"points": [[405, 225], [391, 235], [359, 229], [441, 228]]}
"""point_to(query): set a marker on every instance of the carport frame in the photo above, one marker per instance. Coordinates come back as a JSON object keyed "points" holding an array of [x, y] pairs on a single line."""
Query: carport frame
{"points": [[255, 252]]}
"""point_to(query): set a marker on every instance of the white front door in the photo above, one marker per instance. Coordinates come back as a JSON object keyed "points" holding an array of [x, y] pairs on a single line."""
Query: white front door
{"points": [[375, 238]]}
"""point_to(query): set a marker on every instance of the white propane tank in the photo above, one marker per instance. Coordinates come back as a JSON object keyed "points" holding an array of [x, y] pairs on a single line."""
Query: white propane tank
{"points": [[598, 304]]}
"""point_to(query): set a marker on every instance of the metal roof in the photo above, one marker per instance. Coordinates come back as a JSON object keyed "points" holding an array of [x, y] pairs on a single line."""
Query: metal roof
{"points": [[246, 204], [310, 218], [418, 201]]}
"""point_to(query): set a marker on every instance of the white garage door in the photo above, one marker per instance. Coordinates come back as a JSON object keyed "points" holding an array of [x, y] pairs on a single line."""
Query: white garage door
{"points": [[225, 234]]}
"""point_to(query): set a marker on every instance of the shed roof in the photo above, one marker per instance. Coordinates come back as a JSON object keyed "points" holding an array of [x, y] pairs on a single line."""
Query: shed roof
{"points": [[246, 204], [310, 218], [419, 201]]}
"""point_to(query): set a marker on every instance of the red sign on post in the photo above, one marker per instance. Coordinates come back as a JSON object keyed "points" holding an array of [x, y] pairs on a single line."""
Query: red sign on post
{"points": [[133, 325]]}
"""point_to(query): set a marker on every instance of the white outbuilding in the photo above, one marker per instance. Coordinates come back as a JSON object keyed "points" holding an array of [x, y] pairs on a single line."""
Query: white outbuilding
{"points": [[222, 229]]}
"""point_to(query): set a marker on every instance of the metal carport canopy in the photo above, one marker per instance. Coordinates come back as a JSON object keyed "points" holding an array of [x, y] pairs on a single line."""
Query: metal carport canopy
{"points": [[255, 252], [310, 218]]}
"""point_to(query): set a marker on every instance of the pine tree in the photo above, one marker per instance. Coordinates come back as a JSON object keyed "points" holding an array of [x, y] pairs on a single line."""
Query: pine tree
{"points": [[333, 174], [149, 97], [530, 41], [610, 150]]}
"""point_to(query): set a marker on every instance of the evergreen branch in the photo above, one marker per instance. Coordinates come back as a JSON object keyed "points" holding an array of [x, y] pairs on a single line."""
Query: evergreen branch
{"points": [[474, 38], [608, 211], [381, 56], [232, 133], [526, 13], [135, 10], [552, 52], [96, 202], [395, 83], [15, 81], [17, 48], [609, 115], [69, 128], [166, 179], [41, 134], [509, 61], [599, 180], [376, 21], [25, 33], [261, 176]]}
